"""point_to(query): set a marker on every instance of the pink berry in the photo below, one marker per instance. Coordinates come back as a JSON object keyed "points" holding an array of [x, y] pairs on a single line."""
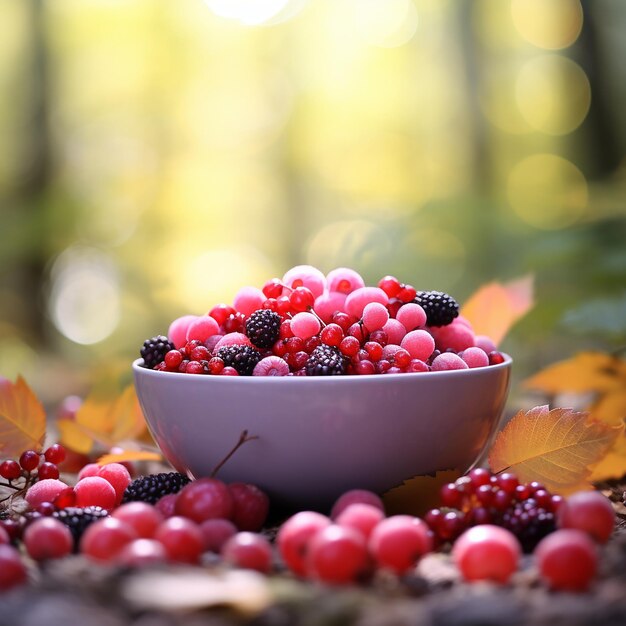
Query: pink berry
{"points": [[454, 336], [44, 491], [475, 357], [487, 552], [359, 298], [233, 339], [411, 316], [12, 569], [485, 343], [103, 540], [337, 555], [249, 551], [344, 280], [95, 491], [305, 325], [361, 517], [398, 542], [419, 344], [395, 331], [251, 506], [567, 560], [181, 539], [141, 516], [177, 332], [306, 276], [271, 366], [205, 498], [118, 476], [448, 361], [356, 496], [4, 536], [202, 328], [294, 536], [48, 538], [328, 303], [590, 512], [142, 552], [91, 469], [216, 532], [166, 505], [248, 300], [375, 316]]}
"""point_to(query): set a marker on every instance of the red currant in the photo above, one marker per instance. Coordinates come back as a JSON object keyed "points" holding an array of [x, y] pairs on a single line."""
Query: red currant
{"points": [[29, 460], [10, 470], [55, 454]]}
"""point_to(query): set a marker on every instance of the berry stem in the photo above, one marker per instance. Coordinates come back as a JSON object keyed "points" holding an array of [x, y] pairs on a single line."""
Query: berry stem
{"points": [[10, 486], [242, 439]]}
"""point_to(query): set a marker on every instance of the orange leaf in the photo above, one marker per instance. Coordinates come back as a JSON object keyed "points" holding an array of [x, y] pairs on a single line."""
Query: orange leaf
{"points": [[129, 455], [105, 418], [555, 447], [613, 465], [584, 372], [417, 495], [495, 307], [22, 418]]}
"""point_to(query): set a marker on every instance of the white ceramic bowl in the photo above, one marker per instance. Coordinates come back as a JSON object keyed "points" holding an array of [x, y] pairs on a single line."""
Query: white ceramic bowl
{"points": [[317, 437]]}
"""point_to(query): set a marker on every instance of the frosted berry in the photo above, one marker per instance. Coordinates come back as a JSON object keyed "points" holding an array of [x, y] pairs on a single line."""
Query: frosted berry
{"points": [[95, 491], [361, 517], [440, 308], [47, 538], [104, 540], [242, 358], [325, 361], [118, 477], [294, 537], [45, 490], [356, 496], [141, 553], [12, 569], [141, 516], [154, 350], [263, 328], [205, 498], [181, 539], [249, 551]]}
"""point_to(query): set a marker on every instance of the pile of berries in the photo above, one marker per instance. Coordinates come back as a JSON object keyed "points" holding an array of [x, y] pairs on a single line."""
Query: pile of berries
{"points": [[527, 510], [31, 467], [309, 324]]}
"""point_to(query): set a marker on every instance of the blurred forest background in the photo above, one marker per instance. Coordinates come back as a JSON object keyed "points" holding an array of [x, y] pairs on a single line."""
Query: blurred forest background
{"points": [[157, 155]]}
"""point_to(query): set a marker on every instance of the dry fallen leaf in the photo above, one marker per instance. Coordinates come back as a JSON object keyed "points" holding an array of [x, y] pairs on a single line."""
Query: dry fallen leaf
{"points": [[22, 418], [106, 418], [417, 495], [557, 447], [495, 307], [129, 455]]}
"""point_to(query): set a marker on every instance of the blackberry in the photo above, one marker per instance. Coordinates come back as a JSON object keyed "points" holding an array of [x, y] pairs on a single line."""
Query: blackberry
{"points": [[154, 350], [151, 488], [440, 308], [325, 361], [263, 328], [77, 519], [529, 523], [242, 358]]}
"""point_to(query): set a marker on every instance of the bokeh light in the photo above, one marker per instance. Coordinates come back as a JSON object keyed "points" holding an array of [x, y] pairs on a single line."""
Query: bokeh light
{"points": [[547, 191], [549, 24], [386, 24], [248, 12], [553, 94]]}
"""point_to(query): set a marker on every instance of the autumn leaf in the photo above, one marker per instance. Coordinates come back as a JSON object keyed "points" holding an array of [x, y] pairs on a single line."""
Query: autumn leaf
{"points": [[613, 465], [556, 447], [104, 419], [129, 455], [583, 373], [417, 495], [495, 307], [22, 418]]}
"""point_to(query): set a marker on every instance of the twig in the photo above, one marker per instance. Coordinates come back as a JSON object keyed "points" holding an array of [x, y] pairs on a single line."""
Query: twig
{"points": [[242, 439]]}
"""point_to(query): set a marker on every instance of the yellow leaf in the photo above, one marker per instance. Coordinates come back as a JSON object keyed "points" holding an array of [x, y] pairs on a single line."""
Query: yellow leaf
{"points": [[611, 407], [613, 465], [129, 455], [22, 418], [105, 418], [555, 447], [417, 495], [495, 307], [585, 372]]}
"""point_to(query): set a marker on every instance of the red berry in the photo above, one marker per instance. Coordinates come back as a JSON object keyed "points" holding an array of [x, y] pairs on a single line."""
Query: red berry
{"points": [[301, 299], [29, 460], [206, 498], [337, 555], [193, 367], [55, 454], [12, 569], [399, 541], [390, 285], [216, 532], [249, 551], [365, 368], [356, 496], [140, 516], [331, 335], [173, 359], [349, 346], [495, 358], [480, 476], [451, 496], [590, 512], [273, 288], [66, 497], [361, 517], [95, 491], [221, 312], [10, 470], [181, 539], [250, 506], [200, 353], [48, 470], [567, 560], [104, 540], [294, 536], [343, 320], [216, 365], [487, 552], [48, 538], [406, 294], [4, 536], [142, 552]]}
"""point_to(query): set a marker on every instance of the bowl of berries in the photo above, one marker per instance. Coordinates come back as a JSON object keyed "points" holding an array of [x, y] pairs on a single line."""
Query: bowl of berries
{"points": [[317, 384]]}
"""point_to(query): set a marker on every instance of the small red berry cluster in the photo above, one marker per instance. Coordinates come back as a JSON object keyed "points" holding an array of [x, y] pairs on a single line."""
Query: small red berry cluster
{"points": [[31, 467]]}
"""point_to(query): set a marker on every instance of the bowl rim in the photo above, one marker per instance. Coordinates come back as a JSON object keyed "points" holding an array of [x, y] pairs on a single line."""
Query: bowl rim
{"points": [[139, 369]]}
